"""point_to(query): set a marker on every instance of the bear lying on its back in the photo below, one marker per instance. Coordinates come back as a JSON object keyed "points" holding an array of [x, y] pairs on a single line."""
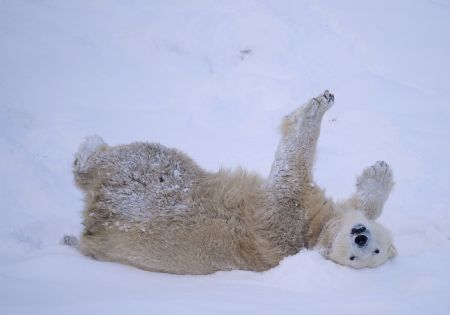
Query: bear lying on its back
{"points": [[156, 209]]}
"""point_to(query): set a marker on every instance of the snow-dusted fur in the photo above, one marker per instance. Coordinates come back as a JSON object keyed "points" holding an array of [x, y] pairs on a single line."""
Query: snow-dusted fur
{"points": [[156, 209]]}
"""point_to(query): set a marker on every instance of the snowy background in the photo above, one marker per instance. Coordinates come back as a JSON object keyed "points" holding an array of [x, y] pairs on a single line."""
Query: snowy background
{"points": [[214, 78]]}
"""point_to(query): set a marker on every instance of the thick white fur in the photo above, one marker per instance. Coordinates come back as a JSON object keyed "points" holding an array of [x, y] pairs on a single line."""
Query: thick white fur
{"points": [[156, 209]]}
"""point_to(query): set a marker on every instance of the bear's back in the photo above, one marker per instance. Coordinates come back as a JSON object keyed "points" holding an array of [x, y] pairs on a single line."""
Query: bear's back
{"points": [[140, 181], [154, 208]]}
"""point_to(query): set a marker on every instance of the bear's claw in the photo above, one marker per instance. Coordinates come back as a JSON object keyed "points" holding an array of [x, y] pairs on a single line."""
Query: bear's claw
{"points": [[328, 96]]}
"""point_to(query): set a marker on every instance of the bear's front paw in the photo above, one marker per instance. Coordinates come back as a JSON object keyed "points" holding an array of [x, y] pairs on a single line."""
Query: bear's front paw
{"points": [[328, 96], [310, 114], [377, 176], [317, 106]]}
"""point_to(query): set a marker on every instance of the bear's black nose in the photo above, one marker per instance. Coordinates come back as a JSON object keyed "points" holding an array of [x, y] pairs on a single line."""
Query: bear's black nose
{"points": [[361, 240]]}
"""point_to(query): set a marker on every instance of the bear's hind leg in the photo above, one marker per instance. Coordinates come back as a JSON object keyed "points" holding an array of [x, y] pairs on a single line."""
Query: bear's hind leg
{"points": [[83, 164]]}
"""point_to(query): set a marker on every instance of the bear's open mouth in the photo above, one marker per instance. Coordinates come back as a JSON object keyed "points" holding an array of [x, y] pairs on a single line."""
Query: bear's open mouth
{"points": [[358, 229]]}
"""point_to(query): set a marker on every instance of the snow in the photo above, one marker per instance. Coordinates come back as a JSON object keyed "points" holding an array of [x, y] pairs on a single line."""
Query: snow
{"points": [[214, 79]]}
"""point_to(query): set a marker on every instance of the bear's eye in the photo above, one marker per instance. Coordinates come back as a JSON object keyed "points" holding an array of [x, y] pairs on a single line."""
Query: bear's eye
{"points": [[377, 251], [352, 258]]}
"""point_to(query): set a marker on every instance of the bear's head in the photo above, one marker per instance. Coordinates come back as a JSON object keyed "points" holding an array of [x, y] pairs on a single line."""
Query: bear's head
{"points": [[353, 240]]}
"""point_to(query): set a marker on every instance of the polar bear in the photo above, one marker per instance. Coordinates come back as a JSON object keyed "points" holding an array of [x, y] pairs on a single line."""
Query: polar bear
{"points": [[154, 208]]}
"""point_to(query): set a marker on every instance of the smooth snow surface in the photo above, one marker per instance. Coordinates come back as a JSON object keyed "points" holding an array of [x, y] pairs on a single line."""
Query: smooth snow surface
{"points": [[214, 78]]}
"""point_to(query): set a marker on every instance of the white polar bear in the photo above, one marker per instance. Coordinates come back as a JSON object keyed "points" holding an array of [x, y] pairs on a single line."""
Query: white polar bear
{"points": [[156, 209]]}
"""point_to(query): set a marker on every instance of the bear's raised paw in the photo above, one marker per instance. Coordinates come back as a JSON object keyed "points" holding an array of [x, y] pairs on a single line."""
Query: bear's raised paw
{"points": [[319, 105]]}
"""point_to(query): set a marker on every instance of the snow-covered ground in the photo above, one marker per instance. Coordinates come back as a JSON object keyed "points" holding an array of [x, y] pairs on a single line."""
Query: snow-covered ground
{"points": [[214, 79]]}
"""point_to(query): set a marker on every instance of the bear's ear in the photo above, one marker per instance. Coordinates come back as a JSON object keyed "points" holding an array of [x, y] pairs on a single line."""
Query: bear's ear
{"points": [[392, 251]]}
